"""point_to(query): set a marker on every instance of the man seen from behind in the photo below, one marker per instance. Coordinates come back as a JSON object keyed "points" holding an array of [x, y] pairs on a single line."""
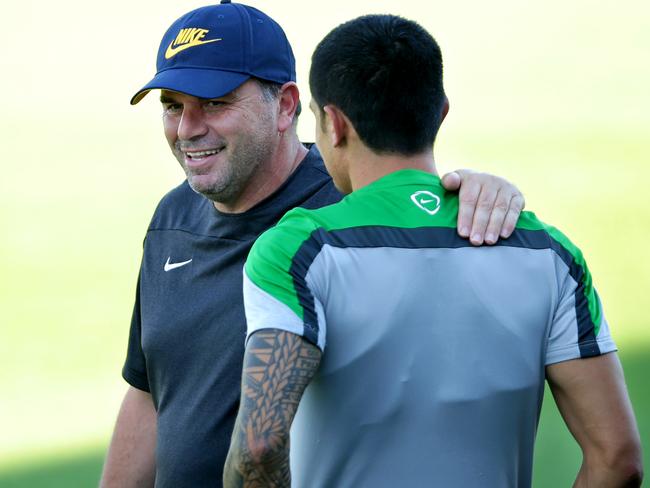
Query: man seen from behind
{"points": [[388, 350]]}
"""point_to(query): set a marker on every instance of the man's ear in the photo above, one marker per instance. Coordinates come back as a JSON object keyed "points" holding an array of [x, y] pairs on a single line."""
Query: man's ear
{"points": [[337, 125], [289, 98]]}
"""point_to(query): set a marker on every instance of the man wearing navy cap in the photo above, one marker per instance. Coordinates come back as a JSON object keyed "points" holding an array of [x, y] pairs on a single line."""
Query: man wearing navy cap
{"points": [[227, 79]]}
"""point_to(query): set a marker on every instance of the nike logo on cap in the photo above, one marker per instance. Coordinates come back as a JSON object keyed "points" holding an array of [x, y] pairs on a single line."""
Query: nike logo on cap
{"points": [[187, 38], [169, 266]]}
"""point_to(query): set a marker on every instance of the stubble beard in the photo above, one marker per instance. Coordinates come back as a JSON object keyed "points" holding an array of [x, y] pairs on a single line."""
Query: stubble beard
{"points": [[232, 176]]}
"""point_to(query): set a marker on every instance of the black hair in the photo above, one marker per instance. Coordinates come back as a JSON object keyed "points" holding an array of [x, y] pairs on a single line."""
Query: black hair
{"points": [[385, 73]]}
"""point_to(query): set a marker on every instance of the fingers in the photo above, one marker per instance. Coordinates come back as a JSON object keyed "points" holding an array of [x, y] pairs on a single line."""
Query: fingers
{"points": [[482, 214], [516, 206], [451, 181], [468, 198], [489, 206], [497, 218]]}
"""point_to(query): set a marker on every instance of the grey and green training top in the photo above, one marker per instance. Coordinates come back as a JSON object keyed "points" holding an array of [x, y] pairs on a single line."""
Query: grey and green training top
{"points": [[433, 350]]}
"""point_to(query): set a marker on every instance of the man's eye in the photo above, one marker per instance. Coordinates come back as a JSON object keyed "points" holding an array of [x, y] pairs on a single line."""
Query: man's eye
{"points": [[172, 108], [213, 104]]}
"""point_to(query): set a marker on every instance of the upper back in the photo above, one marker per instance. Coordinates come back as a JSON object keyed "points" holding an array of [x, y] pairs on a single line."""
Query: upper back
{"points": [[430, 345]]}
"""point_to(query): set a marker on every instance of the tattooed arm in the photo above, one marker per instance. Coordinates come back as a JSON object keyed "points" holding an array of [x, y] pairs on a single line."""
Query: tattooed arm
{"points": [[278, 366]]}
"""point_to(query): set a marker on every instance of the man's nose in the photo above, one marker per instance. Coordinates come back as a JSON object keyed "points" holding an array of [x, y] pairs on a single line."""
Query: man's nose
{"points": [[192, 123]]}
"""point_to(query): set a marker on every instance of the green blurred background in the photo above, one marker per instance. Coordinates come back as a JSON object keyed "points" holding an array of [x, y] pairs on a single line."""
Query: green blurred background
{"points": [[554, 95]]}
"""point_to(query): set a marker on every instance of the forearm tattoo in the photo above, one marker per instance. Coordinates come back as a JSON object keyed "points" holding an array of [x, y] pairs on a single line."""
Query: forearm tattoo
{"points": [[278, 366]]}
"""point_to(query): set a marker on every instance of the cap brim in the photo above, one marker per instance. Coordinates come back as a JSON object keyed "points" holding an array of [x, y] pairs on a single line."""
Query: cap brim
{"points": [[200, 83]]}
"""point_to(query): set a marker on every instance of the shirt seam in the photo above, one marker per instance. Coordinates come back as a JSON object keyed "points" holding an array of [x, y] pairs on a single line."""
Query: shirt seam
{"points": [[162, 229]]}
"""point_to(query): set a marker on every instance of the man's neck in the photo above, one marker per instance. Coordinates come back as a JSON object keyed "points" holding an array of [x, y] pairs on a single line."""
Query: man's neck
{"points": [[366, 166], [268, 178]]}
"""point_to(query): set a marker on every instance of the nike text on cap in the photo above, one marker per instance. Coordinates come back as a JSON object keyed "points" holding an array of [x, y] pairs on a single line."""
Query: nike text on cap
{"points": [[212, 50]]}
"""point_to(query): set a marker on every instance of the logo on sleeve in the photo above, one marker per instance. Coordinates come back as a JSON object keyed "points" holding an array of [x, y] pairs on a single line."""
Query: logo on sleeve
{"points": [[187, 38], [427, 201]]}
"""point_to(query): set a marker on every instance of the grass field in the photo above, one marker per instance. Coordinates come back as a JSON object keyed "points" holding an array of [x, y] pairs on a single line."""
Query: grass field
{"points": [[556, 455], [538, 94]]}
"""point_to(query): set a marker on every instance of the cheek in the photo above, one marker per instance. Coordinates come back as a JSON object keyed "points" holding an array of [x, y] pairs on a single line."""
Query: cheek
{"points": [[170, 127]]}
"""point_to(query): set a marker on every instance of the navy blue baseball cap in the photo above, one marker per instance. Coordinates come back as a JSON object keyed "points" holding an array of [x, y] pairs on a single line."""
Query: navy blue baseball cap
{"points": [[212, 50]]}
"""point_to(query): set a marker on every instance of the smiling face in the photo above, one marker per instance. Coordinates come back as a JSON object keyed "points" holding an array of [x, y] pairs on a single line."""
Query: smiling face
{"points": [[221, 143]]}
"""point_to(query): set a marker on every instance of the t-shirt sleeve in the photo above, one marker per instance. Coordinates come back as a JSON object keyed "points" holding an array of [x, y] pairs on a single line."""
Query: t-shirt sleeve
{"points": [[579, 328], [279, 292], [134, 370]]}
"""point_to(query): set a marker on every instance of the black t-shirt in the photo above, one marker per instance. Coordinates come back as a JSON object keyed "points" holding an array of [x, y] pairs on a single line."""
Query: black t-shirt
{"points": [[186, 342]]}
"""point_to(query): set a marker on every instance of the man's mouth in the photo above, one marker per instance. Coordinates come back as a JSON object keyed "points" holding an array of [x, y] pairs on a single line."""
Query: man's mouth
{"points": [[199, 155]]}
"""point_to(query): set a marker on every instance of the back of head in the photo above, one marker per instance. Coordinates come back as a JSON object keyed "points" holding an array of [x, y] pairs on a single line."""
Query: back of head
{"points": [[385, 73]]}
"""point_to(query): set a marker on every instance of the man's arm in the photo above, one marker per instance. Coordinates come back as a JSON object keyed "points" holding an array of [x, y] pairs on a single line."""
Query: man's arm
{"points": [[489, 206], [278, 366], [130, 461], [592, 398]]}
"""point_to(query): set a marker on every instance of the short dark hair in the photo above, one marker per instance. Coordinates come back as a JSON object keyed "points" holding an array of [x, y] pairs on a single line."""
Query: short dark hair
{"points": [[385, 73], [271, 90]]}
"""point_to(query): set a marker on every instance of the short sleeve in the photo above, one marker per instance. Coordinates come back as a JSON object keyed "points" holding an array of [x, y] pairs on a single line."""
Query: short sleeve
{"points": [[579, 328], [278, 288], [134, 370]]}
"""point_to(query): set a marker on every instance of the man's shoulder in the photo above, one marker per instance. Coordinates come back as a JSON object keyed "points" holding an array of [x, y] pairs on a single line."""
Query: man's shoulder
{"points": [[300, 231], [180, 195], [277, 247], [291, 231], [535, 233], [177, 206]]}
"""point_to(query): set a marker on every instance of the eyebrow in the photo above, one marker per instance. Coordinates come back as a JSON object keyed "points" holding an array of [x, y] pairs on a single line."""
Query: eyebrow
{"points": [[166, 99]]}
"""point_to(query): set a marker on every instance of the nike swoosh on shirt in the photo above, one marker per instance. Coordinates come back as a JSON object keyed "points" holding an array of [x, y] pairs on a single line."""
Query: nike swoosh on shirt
{"points": [[173, 51], [169, 266]]}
